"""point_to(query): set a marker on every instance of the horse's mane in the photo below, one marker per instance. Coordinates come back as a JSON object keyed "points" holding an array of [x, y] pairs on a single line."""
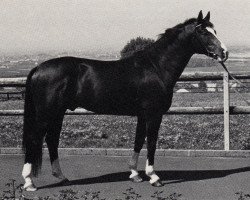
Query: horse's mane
{"points": [[172, 33], [169, 36]]}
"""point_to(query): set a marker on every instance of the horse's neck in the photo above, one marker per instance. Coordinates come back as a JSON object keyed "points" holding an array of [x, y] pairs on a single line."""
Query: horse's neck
{"points": [[172, 59]]}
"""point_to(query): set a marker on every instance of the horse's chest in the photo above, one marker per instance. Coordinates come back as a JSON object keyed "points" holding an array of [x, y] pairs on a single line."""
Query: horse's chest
{"points": [[156, 97]]}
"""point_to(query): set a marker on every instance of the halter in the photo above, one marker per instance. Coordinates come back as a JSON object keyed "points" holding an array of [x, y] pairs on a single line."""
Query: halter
{"points": [[209, 53], [213, 55]]}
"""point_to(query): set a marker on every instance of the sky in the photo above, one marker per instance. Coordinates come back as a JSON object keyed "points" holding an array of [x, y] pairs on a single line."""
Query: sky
{"points": [[90, 25]]}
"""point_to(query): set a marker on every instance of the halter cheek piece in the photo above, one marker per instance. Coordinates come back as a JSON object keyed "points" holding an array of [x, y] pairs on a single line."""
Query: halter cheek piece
{"points": [[209, 53]]}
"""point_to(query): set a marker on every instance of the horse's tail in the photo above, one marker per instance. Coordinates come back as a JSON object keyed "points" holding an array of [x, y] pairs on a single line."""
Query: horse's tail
{"points": [[32, 143]]}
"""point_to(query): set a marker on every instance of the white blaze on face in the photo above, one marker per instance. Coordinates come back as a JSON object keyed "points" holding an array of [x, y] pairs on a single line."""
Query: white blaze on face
{"points": [[221, 43]]}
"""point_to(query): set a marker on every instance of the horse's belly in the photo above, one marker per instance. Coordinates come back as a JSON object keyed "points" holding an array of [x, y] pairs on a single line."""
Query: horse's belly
{"points": [[108, 110], [109, 106]]}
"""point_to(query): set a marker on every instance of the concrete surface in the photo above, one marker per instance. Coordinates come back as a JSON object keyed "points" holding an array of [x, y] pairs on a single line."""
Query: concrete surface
{"points": [[196, 178]]}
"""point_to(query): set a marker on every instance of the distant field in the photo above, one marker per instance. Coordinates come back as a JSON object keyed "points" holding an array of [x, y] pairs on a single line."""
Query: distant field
{"points": [[197, 64]]}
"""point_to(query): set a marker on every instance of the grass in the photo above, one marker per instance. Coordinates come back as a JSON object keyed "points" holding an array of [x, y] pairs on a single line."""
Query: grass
{"points": [[176, 132]]}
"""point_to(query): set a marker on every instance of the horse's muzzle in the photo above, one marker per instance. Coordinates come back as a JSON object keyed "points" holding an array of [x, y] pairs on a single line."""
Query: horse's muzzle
{"points": [[225, 55], [222, 57]]}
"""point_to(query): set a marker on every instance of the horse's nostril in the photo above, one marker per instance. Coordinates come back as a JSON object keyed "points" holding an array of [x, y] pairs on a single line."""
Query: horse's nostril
{"points": [[227, 53]]}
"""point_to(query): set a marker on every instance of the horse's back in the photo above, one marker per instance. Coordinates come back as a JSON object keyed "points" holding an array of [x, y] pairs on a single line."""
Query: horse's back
{"points": [[107, 87]]}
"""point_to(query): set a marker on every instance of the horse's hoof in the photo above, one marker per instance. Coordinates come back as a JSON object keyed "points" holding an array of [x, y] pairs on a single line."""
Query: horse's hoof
{"points": [[157, 184], [30, 188], [64, 181], [136, 179], [59, 176]]}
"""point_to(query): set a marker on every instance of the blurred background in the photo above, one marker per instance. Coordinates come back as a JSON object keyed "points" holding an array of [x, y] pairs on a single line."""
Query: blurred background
{"points": [[34, 31]]}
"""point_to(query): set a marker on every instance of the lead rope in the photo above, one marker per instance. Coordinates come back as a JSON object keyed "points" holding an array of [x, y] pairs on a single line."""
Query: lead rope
{"points": [[239, 82]]}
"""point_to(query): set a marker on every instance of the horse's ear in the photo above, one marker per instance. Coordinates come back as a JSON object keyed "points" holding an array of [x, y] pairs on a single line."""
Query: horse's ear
{"points": [[200, 17], [207, 18]]}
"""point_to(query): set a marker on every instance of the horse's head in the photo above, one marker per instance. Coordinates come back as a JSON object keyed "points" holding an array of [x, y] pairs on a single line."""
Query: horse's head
{"points": [[205, 40]]}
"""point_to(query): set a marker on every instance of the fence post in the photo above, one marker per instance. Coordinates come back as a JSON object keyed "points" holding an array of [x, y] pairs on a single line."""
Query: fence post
{"points": [[226, 98]]}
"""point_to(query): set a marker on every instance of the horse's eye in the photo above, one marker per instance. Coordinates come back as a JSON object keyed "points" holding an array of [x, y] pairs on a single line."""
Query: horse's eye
{"points": [[202, 31]]}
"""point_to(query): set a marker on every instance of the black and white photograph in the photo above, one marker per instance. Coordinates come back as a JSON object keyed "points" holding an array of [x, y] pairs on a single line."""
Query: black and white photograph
{"points": [[124, 99]]}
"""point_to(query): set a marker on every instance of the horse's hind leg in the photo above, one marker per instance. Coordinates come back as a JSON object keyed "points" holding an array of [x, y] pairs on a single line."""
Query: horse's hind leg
{"points": [[52, 140], [139, 141], [34, 153]]}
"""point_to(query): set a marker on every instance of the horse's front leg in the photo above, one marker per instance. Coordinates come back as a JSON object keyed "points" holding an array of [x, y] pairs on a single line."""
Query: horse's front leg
{"points": [[139, 141], [153, 124]]}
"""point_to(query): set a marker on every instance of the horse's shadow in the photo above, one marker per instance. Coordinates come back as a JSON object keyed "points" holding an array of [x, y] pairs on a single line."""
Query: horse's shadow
{"points": [[168, 177]]}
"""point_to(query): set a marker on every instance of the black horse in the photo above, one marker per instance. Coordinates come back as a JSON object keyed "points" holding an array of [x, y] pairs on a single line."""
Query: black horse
{"points": [[141, 85]]}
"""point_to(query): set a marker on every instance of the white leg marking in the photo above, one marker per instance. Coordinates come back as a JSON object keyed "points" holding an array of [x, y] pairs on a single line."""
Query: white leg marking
{"points": [[149, 168], [150, 172], [133, 165], [26, 170], [134, 173], [26, 173], [153, 178]]}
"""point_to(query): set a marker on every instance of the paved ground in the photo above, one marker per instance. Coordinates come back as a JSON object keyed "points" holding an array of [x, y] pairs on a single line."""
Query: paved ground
{"points": [[195, 178]]}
